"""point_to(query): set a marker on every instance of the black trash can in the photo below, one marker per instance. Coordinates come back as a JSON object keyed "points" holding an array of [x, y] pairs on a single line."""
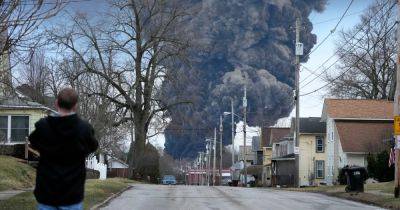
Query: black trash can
{"points": [[355, 178]]}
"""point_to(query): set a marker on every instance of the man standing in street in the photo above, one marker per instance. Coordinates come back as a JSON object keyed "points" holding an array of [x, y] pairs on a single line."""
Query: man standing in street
{"points": [[63, 141]]}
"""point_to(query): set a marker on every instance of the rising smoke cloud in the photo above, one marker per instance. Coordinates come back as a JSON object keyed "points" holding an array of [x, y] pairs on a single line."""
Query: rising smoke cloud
{"points": [[236, 43]]}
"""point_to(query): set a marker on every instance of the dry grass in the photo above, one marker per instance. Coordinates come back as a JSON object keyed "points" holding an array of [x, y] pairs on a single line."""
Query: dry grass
{"points": [[15, 175], [96, 191], [379, 194]]}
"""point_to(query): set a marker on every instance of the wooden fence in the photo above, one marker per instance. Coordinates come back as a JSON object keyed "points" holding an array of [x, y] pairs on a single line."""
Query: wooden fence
{"points": [[118, 172]]}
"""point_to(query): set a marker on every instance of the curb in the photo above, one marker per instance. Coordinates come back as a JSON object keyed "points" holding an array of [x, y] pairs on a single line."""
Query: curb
{"points": [[106, 201]]}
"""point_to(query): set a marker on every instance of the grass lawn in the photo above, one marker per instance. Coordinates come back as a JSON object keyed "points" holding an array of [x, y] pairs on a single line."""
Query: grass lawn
{"points": [[379, 194], [15, 175], [96, 191]]}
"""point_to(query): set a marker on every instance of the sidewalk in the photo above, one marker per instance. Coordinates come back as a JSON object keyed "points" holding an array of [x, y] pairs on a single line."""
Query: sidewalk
{"points": [[4, 195]]}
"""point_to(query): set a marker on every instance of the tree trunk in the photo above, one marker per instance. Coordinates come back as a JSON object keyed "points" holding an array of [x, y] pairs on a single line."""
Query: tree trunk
{"points": [[137, 148]]}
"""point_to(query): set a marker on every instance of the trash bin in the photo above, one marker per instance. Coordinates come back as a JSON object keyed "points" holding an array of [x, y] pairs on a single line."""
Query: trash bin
{"points": [[355, 178]]}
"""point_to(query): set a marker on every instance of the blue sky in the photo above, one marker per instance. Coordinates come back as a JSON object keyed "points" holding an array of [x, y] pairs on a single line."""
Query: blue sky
{"points": [[324, 22]]}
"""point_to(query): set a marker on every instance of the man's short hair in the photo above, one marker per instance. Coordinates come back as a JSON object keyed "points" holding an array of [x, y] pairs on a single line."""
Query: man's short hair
{"points": [[67, 98]]}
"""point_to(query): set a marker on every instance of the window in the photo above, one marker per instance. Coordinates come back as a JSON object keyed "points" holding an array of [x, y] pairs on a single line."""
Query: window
{"points": [[319, 144], [19, 128], [319, 169], [14, 128], [3, 128]]}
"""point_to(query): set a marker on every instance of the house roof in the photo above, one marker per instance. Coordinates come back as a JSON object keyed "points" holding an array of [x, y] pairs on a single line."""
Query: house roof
{"points": [[357, 108], [118, 160], [29, 93], [310, 125], [271, 135], [17, 102], [361, 136]]}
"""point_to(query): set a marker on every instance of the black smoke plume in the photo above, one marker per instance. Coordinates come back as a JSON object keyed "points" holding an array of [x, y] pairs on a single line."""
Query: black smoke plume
{"points": [[237, 43]]}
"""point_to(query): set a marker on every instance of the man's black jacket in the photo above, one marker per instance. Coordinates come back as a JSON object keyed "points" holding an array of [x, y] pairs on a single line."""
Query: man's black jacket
{"points": [[63, 144]]}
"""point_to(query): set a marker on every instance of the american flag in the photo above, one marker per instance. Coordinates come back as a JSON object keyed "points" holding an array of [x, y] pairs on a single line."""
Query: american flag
{"points": [[392, 157]]}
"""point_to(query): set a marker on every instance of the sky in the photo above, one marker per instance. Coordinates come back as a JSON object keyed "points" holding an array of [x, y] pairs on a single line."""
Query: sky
{"points": [[310, 105]]}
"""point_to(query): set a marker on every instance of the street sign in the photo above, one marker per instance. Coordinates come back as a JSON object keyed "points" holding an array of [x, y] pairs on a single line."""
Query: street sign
{"points": [[397, 125]]}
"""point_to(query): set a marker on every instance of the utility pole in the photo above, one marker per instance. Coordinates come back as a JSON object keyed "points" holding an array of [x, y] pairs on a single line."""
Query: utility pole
{"points": [[221, 128], [214, 161], [209, 162], [233, 133], [244, 134], [201, 168], [298, 52], [396, 111]]}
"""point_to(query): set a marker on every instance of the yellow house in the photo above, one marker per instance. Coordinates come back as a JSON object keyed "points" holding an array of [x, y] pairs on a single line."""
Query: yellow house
{"points": [[312, 157], [269, 135], [17, 119], [18, 114]]}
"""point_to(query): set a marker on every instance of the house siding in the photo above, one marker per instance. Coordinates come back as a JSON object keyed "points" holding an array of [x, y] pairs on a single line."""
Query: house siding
{"points": [[267, 155], [307, 158], [34, 115], [330, 148], [356, 160], [336, 157]]}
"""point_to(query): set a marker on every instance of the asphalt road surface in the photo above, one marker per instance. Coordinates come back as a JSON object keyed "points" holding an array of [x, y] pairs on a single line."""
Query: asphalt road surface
{"points": [[158, 197]]}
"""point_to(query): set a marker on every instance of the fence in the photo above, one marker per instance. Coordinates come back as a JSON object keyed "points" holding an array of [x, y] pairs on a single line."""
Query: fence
{"points": [[92, 163], [118, 172]]}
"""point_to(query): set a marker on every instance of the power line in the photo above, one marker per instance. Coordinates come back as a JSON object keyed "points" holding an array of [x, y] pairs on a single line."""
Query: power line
{"points": [[332, 31], [347, 42], [337, 18], [349, 68]]}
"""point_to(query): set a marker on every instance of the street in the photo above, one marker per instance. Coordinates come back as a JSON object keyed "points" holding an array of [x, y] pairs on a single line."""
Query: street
{"points": [[158, 197]]}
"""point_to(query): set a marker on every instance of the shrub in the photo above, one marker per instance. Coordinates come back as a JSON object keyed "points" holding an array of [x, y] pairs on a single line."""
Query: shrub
{"points": [[378, 167]]}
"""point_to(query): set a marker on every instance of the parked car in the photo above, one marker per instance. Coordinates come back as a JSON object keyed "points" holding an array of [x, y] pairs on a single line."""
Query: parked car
{"points": [[168, 180]]}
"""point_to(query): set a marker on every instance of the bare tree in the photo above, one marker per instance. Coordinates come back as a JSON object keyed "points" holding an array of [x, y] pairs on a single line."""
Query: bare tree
{"points": [[19, 32], [35, 76], [95, 107], [367, 56], [20, 20], [130, 55]]}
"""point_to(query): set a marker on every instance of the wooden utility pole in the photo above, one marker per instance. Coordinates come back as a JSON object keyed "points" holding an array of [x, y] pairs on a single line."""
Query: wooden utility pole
{"points": [[244, 134], [298, 52], [214, 161], [396, 112], [220, 149], [233, 134]]}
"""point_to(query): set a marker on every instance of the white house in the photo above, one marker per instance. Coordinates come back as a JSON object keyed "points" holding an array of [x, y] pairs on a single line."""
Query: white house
{"points": [[113, 162], [354, 128]]}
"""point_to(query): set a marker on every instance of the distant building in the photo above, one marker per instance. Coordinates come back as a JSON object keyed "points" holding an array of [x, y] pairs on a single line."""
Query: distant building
{"points": [[270, 135], [250, 155], [354, 128], [257, 150], [116, 167]]}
